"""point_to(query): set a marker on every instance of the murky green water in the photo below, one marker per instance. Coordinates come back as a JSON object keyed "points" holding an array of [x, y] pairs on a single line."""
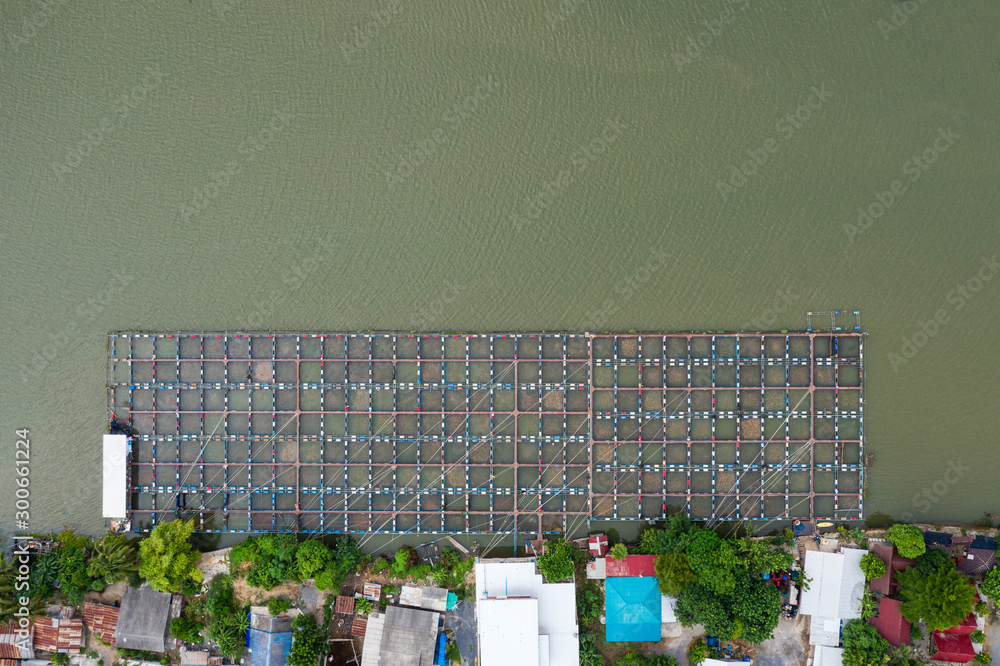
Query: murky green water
{"points": [[488, 166]]}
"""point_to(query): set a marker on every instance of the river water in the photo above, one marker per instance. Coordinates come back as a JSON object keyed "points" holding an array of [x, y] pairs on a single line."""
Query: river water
{"points": [[567, 164]]}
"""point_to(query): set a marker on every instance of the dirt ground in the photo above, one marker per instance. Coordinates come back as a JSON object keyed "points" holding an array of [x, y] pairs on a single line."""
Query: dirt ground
{"points": [[790, 645]]}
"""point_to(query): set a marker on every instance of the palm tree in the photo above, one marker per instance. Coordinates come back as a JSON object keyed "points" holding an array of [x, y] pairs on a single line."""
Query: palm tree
{"points": [[114, 559]]}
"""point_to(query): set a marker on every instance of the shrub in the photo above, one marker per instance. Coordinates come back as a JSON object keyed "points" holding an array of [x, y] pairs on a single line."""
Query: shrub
{"points": [[558, 562], [698, 652], [915, 633], [983, 658], [619, 552], [589, 602], [991, 585], [909, 540], [278, 606], [187, 629], [380, 564], [977, 636], [60, 659], [363, 606], [873, 566]]}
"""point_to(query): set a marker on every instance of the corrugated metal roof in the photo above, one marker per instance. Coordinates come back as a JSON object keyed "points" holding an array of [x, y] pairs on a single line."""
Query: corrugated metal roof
{"points": [[953, 647], [890, 623], [269, 649], [344, 605], [143, 619], [426, 597], [837, 584], [54, 634], [358, 627], [194, 657], [102, 620], [633, 566]]}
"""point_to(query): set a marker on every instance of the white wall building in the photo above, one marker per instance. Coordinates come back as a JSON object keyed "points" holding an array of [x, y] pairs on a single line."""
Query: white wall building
{"points": [[522, 620]]}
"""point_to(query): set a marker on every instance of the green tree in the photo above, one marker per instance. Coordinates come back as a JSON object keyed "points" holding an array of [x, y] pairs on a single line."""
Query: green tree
{"points": [[166, 559], [674, 536], [756, 608], [873, 566], [114, 559], [759, 556], [74, 581], [698, 652], [363, 606], [909, 540], [933, 560], [311, 557], [558, 562], [673, 573], [619, 552], [698, 604], [941, 600], [863, 646], [227, 622], [715, 562], [308, 641], [991, 585]]}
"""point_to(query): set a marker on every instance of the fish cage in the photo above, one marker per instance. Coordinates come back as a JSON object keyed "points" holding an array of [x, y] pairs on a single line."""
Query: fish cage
{"points": [[485, 433]]}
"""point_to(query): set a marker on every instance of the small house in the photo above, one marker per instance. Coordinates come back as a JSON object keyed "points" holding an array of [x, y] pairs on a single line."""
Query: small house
{"points": [[633, 609], [834, 595], [633, 566], [401, 637], [980, 557], [144, 619], [598, 544], [426, 597], [270, 640]]}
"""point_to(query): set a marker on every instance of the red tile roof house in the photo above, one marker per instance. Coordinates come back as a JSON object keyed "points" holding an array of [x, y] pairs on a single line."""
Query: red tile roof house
{"points": [[951, 647], [890, 623], [54, 634], [886, 584], [633, 565]]}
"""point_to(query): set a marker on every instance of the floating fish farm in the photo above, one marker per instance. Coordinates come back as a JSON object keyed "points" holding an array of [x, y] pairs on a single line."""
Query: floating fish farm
{"points": [[486, 433]]}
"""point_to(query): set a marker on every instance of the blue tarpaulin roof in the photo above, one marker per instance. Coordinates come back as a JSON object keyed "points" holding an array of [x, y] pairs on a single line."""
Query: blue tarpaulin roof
{"points": [[267, 649], [632, 607], [439, 659]]}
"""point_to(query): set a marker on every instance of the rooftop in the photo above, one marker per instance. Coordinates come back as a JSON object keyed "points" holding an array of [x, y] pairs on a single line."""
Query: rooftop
{"points": [[102, 620], [144, 619], [633, 565], [404, 637], [54, 634], [633, 607], [890, 623]]}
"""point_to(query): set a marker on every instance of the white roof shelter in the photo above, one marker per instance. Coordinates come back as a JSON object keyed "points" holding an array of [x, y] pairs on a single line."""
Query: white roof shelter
{"points": [[523, 620], [115, 493], [837, 584], [834, 595], [828, 656]]}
